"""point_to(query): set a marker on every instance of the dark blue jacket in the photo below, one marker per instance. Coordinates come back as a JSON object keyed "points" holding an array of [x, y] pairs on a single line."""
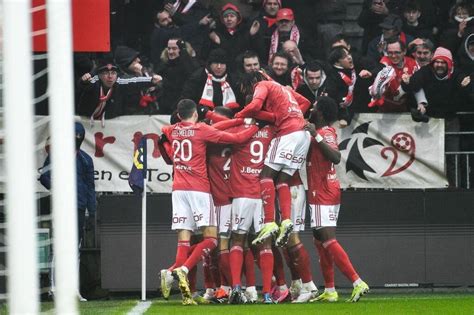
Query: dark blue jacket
{"points": [[85, 180]]}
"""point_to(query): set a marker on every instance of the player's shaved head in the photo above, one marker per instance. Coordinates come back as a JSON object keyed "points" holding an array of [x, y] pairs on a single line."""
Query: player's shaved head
{"points": [[186, 108]]}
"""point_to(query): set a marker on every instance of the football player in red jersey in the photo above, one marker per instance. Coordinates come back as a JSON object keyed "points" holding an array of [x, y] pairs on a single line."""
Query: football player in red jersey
{"points": [[218, 164], [287, 151], [247, 211], [193, 206], [324, 197]]}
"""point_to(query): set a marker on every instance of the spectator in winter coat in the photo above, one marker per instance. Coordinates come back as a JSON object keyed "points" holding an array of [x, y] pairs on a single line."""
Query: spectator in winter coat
{"points": [[313, 84], [139, 102], [231, 34], [392, 29], [103, 95], [212, 86], [176, 67]]}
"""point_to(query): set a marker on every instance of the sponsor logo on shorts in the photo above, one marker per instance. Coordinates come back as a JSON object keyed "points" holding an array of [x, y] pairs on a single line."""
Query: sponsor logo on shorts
{"points": [[299, 221], [291, 157], [238, 220], [179, 219], [197, 217]]}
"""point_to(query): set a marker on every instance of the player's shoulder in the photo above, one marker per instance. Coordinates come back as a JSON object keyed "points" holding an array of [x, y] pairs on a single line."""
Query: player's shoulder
{"points": [[329, 134]]}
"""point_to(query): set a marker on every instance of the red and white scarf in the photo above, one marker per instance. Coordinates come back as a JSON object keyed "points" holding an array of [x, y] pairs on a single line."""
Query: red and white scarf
{"points": [[294, 36], [350, 82], [228, 96], [99, 112]]}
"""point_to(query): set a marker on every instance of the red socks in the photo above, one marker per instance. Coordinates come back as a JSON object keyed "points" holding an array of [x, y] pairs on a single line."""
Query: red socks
{"points": [[267, 189], [327, 265], [207, 270], [182, 253], [341, 259], [203, 248], [266, 266], [278, 268], [224, 267], [300, 258], [289, 262], [236, 258], [249, 267], [284, 200]]}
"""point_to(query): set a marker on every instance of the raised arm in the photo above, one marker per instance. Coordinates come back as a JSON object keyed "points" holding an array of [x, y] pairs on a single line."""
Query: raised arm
{"points": [[229, 123], [260, 95], [222, 137]]}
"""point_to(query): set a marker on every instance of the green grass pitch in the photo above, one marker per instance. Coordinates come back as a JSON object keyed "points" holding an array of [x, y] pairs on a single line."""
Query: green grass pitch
{"points": [[373, 303]]}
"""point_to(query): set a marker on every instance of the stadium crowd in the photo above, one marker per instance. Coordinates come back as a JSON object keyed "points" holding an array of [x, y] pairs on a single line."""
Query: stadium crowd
{"points": [[278, 62]]}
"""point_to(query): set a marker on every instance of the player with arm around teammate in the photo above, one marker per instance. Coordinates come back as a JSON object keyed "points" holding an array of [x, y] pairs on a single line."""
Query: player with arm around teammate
{"points": [[324, 197], [193, 206]]}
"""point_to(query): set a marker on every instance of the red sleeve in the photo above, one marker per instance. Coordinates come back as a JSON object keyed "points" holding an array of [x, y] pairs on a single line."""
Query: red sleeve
{"points": [[229, 123], [259, 96], [303, 102], [216, 136], [215, 117], [166, 130], [266, 116]]}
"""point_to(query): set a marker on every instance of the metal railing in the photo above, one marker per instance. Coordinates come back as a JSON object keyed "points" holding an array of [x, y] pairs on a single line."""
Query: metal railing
{"points": [[463, 158]]}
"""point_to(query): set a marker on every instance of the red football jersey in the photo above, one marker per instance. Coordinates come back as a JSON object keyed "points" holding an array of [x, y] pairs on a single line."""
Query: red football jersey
{"points": [[189, 141], [281, 101], [218, 164], [323, 184], [247, 163]]}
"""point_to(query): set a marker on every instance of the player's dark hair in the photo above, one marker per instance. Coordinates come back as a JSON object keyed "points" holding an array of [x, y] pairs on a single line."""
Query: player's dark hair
{"points": [[224, 111], [186, 108], [328, 108], [248, 81], [336, 54]]}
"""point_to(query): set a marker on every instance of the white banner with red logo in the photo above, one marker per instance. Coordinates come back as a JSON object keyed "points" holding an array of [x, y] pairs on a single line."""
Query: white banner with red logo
{"points": [[112, 147], [378, 151], [392, 151]]}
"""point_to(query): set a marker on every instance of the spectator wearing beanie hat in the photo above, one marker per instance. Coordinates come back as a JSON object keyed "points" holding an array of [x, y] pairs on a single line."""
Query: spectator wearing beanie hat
{"points": [[212, 86], [103, 95], [231, 34], [440, 91], [138, 101]]}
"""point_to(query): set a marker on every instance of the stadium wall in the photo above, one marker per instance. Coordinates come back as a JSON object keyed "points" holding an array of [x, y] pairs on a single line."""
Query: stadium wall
{"points": [[394, 238]]}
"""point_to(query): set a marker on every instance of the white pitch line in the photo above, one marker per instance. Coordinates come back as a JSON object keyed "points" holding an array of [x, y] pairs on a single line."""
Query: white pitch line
{"points": [[140, 308]]}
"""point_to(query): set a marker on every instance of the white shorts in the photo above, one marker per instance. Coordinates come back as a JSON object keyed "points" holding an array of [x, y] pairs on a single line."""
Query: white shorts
{"points": [[298, 207], [324, 215], [223, 220], [246, 211], [192, 210], [288, 153]]}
